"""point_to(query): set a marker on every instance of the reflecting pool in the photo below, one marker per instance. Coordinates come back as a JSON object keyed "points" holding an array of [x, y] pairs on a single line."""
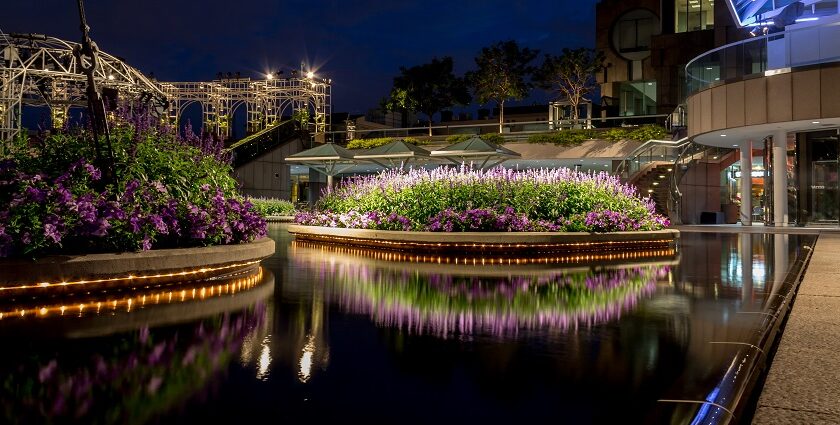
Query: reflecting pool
{"points": [[332, 333]]}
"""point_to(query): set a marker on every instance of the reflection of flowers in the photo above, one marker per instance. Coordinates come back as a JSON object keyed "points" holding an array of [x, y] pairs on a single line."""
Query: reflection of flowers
{"points": [[444, 305], [144, 374]]}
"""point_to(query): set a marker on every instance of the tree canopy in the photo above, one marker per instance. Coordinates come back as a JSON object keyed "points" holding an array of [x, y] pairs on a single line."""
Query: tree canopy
{"points": [[428, 88], [502, 74], [571, 75]]}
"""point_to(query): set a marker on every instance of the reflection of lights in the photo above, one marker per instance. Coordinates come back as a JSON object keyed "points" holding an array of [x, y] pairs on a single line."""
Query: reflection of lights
{"points": [[265, 360], [306, 359], [215, 289], [150, 277], [488, 259]]}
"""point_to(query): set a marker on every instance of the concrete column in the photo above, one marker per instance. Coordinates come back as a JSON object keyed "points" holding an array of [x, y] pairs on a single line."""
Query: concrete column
{"points": [[746, 183], [780, 183], [551, 115]]}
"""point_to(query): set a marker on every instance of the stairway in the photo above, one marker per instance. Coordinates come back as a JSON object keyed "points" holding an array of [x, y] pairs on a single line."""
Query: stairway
{"points": [[262, 142], [656, 182]]}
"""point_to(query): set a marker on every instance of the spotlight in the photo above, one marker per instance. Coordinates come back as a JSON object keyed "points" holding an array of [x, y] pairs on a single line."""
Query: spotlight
{"points": [[269, 76], [310, 74]]}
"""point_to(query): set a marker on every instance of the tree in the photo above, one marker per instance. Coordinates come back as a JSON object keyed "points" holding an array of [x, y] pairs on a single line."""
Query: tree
{"points": [[502, 73], [571, 75], [428, 88]]}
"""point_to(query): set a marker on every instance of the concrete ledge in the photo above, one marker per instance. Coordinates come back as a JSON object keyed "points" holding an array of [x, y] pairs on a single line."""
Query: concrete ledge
{"points": [[487, 241], [134, 269]]}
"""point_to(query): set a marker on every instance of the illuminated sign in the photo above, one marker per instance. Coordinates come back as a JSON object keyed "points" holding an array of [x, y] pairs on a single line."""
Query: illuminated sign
{"points": [[779, 13]]}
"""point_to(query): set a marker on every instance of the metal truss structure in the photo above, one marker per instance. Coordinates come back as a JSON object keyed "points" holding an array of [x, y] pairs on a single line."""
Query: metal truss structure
{"points": [[266, 101], [43, 71]]}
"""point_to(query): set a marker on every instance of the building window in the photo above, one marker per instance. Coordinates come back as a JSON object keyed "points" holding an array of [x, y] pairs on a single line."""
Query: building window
{"points": [[637, 98], [694, 15], [631, 33]]}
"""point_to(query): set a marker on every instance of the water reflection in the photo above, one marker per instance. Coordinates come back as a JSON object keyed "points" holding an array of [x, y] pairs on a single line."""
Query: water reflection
{"points": [[125, 357], [498, 300]]}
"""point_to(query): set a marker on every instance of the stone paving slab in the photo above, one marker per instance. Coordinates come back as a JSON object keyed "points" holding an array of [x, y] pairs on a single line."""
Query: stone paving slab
{"points": [[803, 385], [774, 416]]}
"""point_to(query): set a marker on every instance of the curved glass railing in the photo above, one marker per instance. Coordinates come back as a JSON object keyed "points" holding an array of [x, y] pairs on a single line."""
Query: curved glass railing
{"points": [[763, 54]]}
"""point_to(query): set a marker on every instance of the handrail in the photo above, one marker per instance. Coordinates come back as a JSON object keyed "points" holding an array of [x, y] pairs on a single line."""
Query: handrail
{"points": [[756, 55], [623, 169]]}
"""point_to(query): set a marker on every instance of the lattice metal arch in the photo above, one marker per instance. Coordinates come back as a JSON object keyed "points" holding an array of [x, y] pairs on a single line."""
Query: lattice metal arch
{"points": [[266, 101], [41, 70]]}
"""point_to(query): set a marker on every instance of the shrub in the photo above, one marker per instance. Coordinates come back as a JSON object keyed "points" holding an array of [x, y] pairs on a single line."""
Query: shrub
{"points": [[488, 137], [575, 137], [459, 199], [169, 191], [380, 141], [273, 207]]}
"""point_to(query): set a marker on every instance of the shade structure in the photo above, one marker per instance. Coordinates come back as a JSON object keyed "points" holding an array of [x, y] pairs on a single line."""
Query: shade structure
{"points": [[395, 154], [476, 149], [328, 159]]}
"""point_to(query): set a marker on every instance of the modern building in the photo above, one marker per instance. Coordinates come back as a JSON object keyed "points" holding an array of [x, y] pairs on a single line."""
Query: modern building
{"points": [[773, 97], [759, 81]]}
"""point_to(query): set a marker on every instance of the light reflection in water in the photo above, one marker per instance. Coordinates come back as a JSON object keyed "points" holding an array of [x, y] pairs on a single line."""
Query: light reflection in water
{"points": [[306, 356], [265, 360]]}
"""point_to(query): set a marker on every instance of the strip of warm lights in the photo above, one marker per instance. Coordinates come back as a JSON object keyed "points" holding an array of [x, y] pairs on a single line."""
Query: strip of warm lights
{"points": [[580, 246], [139, 278], [396, 256], [141, 300]]}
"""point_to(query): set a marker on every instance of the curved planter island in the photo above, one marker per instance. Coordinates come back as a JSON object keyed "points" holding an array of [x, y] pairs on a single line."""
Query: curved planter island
{"points": [[487, 242], [81, 273]]}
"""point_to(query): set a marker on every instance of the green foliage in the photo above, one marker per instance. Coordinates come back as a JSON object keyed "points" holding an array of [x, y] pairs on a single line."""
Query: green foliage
{"points": [[301, 116], [489, 137], [571, 75], [273, 207], [551, 195], [381, 141], [428, 88], [575, 137]]}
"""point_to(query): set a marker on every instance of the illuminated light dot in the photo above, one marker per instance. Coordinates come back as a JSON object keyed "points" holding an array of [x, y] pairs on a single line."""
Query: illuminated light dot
{"points": [[42, 284], [43, 311]]}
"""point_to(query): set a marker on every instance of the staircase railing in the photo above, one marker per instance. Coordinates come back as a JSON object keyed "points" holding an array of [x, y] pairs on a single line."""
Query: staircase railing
{"points": [[261, 142], [648, 152]]}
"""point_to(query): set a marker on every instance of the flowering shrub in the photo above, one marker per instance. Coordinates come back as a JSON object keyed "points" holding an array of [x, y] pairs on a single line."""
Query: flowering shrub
{"points": [[355, 220], [460, 199], [170, 191]]}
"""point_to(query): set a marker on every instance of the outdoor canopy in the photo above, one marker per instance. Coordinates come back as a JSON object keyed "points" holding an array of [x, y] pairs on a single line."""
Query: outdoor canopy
{"points": [[399, 152], [476, 148], [328, 159]]}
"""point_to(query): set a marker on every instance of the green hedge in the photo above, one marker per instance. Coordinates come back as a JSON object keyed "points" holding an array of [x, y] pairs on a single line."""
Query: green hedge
{"points": [[380, 141], [577, 136], [273, 207], [489, 137]]}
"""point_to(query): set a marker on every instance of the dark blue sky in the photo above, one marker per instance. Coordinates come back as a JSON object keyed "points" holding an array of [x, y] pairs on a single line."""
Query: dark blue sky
{"points": [[359, 44]]}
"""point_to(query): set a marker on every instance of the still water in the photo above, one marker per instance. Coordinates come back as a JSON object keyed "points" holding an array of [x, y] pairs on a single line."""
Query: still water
{"points": [[330, 333]]}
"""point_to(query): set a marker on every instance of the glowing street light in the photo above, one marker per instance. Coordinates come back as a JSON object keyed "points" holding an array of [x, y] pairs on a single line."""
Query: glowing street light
{"points": [[310, 74], [268, 76]]}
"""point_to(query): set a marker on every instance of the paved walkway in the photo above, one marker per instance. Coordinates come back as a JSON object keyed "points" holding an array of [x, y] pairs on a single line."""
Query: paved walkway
{"points": [[803, 385]]}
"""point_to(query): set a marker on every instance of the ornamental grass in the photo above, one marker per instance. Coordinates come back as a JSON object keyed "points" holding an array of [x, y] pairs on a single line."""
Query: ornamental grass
{"points": [[457, 199]]}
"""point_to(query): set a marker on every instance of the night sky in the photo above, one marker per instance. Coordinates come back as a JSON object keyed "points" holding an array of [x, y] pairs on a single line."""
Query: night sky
{"points": [[359, 44]]}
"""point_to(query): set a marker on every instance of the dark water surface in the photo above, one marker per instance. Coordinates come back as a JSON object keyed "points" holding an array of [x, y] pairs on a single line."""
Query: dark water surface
{"points": [[328, 333]]}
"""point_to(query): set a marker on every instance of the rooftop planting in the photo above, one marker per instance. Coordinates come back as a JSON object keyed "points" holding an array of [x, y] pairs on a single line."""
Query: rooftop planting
{"points": [[502, 200]]}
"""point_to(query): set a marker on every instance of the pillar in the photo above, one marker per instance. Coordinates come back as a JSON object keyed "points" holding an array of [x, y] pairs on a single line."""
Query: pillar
{"points": [[780, 183], [746, 183]]}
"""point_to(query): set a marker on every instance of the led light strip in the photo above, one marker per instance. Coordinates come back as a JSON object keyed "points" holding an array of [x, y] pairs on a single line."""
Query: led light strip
{"points": [[439, 245], [395, 256], [184, 295], [128, 278]]}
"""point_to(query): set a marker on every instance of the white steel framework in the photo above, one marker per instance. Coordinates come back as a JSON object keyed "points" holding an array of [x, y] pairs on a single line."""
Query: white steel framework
{"points": [[43, 71]]}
